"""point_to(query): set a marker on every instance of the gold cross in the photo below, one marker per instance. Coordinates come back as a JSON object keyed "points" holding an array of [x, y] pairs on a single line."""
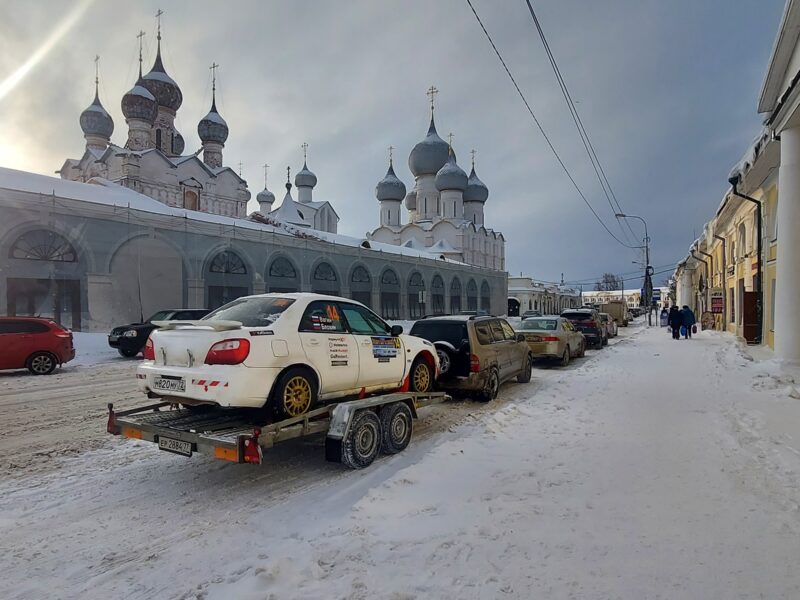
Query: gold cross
{"points": [[431, 93], [304, 146]]}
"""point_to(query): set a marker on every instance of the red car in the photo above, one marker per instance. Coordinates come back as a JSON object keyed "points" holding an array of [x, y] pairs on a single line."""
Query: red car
{"points": [[39, 345]]}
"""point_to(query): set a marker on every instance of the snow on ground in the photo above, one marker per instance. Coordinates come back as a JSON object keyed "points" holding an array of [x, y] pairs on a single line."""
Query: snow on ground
{"points": [[92, 349], [654, 468]]}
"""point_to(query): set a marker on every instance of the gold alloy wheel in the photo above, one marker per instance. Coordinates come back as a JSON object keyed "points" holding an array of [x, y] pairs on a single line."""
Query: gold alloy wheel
{"points": [[297, 396], [422, 378]]}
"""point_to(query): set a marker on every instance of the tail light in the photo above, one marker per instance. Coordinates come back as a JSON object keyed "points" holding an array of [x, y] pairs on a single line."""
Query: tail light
{"points": [[149, 352], [228, 352], [252, 449], [590, 323], [474, 363], [549, 338]]}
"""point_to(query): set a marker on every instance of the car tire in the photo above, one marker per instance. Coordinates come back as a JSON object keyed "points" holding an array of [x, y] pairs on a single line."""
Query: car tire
{"points": [[605, 341], [295, 393], [41, 363], [492, 387], [445, 360], [363, 440], [582, 351], [525, 375], [126, 353], [421, 376], [396, 427], [565, 357]]}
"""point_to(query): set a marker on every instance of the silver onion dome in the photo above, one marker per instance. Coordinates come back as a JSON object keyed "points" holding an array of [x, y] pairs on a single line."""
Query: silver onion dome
{"points": [[429, 155], [390, 187], [162, 86], [451, 176], [139, 103], [265, 197], [411, 200], [305, 178], [212, 127], [95, 120], [476, 190]]}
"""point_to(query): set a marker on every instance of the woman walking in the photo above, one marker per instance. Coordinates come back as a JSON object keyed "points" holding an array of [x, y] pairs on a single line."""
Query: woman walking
{"points": [[675, 321]]}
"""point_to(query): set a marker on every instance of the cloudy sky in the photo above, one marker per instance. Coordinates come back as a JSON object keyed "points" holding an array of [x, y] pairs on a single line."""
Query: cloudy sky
{"points": [[667, 91]]}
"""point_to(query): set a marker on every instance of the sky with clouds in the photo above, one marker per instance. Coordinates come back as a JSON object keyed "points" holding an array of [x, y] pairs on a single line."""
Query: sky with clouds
{"points": [[666, 90]]}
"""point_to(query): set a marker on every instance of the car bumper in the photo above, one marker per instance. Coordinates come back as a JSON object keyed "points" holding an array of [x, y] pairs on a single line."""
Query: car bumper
{"points": [[126, 343], [545, 349], [472, 382], [225, 385]]}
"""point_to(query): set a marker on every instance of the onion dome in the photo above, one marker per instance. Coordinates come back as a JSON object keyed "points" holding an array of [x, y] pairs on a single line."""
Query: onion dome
{"points": [[96, 121], [178, 144], [451, 176], [139, 103], [476, 190], [212, 127], [429, 155], [162, 86], [390, 187], [265, 197], [305, 178], [411, 200]]}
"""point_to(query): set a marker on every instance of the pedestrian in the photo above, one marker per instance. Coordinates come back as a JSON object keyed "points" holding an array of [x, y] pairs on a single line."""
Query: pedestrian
{"points": [[675, 321], [688, 320]]}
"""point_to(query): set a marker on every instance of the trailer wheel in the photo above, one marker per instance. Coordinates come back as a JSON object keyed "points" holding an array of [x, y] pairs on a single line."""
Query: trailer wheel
{"points": [[363, 441], [396, 423]]}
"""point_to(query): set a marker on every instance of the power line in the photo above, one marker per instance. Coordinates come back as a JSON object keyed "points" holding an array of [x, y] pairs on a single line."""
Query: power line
{"points": [[541, 130], [584, 135], [634, 275]]}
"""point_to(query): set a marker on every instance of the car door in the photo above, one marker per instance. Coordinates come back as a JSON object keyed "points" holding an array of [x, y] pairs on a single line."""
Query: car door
{"points": [[504, 349], [10, 351], [517, 352], [329, 348], [381, 362], [576, 339]]}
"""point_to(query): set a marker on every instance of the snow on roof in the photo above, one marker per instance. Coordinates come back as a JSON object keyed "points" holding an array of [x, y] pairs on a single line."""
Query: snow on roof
{"points": [[215, 117], [139, 90], [288, 212], [416, 245], [443, 246]]}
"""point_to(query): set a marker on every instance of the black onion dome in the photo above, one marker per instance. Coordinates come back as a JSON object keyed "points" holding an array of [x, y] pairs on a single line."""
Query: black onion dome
{"points": [[162, 86], [476, 190], [139, 103], [451, 176], [429, 155], [95, 120], [390, 187], [212, 127]]}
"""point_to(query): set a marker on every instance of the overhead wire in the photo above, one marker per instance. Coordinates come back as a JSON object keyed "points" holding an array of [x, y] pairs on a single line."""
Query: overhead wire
{"points": [[542, 131]]}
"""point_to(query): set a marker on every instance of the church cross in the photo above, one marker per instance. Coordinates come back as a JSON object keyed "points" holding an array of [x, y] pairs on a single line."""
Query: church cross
{"points": [[240, 168], [140, 35], [158, 20], [96, 72], [431, 93], [304, 146], [288, 174], [391, 149], [450, 139], [266, 169], [473, 152]]}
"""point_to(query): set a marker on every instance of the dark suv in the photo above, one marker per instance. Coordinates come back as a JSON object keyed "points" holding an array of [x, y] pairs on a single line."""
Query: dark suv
{"points": [[129, 340], [476, 354], [589, 323]]}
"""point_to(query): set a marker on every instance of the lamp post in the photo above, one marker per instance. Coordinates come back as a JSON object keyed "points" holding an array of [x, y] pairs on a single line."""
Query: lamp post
{"points": [[648, 271]]}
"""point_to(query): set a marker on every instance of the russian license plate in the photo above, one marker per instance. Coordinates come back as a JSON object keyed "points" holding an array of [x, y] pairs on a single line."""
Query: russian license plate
{"points": [[176, 446], [113, 338], [165, 384]]}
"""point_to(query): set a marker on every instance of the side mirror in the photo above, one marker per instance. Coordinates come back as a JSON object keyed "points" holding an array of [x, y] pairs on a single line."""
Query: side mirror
{"points": [[396, 330], [520, 337]]}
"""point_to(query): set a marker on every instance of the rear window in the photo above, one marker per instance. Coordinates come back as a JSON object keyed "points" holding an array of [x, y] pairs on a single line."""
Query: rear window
{"points": [[23, 327], [540, 324], [441, 331], [251, 312], [578, 316]]}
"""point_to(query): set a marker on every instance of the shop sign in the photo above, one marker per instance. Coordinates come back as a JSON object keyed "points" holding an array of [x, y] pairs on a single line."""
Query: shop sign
{"points": [[717, 300]]}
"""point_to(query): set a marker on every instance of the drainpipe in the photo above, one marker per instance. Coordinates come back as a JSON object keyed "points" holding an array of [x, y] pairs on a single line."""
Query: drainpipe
{"points": [[734, 181], [711, 270], [705, 265], [723, 280]]}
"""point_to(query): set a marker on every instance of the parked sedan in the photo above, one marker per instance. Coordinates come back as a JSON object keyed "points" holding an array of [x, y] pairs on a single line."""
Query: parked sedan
{"points": [[39, 345], [553, 337], [587, 321], [129, 340]]}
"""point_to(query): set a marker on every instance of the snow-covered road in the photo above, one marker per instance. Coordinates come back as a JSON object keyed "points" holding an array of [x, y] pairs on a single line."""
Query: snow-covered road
{"points": [[653, 469]]}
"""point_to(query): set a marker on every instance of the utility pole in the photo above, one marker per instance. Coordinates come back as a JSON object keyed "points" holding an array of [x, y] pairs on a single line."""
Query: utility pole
{"points": [[648, 270]]}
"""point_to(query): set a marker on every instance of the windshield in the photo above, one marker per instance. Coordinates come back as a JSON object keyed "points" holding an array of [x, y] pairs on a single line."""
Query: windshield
{"points": [[251, 312], [162, 315], [540, 324]]}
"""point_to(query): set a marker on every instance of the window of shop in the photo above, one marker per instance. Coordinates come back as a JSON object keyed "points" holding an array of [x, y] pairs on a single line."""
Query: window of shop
{"points": [[416, 296], [390, 295], [361, 286], [455, 296], [324, 280], [472, 295], [282, 276], [486, 296], [43, 244], [437, 295]]}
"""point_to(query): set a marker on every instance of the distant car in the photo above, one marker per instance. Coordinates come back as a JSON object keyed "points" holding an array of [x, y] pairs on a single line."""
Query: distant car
{"points": [[587, 321], [39, 345], [531, 313], [553, 337], [129, 340], [476, 354], [287, 353], [610, 324]]}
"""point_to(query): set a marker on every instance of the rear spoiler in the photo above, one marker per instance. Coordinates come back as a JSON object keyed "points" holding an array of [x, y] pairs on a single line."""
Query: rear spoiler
{"points": [[210, 324]]}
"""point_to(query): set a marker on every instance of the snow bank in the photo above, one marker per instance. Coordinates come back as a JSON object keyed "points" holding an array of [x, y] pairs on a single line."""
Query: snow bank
{"points": [[92, 349]]}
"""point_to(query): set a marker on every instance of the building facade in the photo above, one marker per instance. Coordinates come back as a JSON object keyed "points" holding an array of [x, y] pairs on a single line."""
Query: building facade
{"points": [[525, 293]]}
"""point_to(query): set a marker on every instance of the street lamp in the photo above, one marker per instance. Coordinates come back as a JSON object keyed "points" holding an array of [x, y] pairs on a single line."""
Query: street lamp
{"points": [[648, 271]]}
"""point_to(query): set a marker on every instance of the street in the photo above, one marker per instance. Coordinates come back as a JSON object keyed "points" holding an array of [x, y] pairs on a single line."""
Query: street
{"points": [[652, 468]]}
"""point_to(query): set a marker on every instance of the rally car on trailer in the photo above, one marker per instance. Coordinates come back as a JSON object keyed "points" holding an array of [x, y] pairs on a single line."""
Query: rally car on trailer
{"points": [[284, 352]]}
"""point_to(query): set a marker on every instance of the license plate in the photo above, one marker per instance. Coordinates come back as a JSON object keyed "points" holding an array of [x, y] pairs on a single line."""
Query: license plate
{"points": [[113, 338], [169, 385], [176, 446]]}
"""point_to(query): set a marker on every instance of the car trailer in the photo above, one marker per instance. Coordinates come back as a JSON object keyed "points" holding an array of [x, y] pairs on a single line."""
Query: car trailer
{"points": [[356, 430]]}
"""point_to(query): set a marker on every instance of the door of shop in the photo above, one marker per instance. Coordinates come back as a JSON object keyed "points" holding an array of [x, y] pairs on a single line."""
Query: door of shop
{"points": [[57, 299], [750, 316]]}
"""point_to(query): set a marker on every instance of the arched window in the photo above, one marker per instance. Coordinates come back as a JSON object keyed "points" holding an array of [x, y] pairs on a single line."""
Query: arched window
{"points": [[282, 276], [226, 279], [390, 295], [361, 286], [43, 244], [228, 262], [324, 280], [472, 295], [416, 296], [742, 241], [158, 139], [437, 295], [190, 200], [455, 296], [486, 297]]}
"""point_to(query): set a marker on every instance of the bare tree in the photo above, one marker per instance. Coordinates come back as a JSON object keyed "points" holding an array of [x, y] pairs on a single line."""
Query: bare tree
{"points": [[608, 283]]}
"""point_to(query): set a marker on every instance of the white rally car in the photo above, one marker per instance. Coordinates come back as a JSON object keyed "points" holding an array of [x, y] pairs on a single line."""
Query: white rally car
{"points": [[287, 351]]}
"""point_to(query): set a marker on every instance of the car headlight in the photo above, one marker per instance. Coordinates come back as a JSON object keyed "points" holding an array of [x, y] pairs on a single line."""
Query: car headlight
{"points": [[130, 333]]}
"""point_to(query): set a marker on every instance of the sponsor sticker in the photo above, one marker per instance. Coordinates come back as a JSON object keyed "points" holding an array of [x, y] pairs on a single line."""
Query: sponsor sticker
{"points": [[385, 348], [339, 351], [262, 332]]}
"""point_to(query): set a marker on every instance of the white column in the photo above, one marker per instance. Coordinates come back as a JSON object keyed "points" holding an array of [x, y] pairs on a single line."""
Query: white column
{"points": [[687, 293], [787, 292], [427, 198]]}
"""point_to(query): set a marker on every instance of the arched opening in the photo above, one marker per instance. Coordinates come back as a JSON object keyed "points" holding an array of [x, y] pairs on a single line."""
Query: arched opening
{"points": [[416, 296], [324, 280], [513, 307], [282, 276], [437, 295], [390, 295], [472, 295], [158, 139], [455, 296], [227, 279], [486, 297], [361, 286], [190, 200]]}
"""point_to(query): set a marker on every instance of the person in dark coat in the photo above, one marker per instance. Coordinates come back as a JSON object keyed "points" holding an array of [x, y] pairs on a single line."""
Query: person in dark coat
{"points": [[688, 320], [675, 321]]}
